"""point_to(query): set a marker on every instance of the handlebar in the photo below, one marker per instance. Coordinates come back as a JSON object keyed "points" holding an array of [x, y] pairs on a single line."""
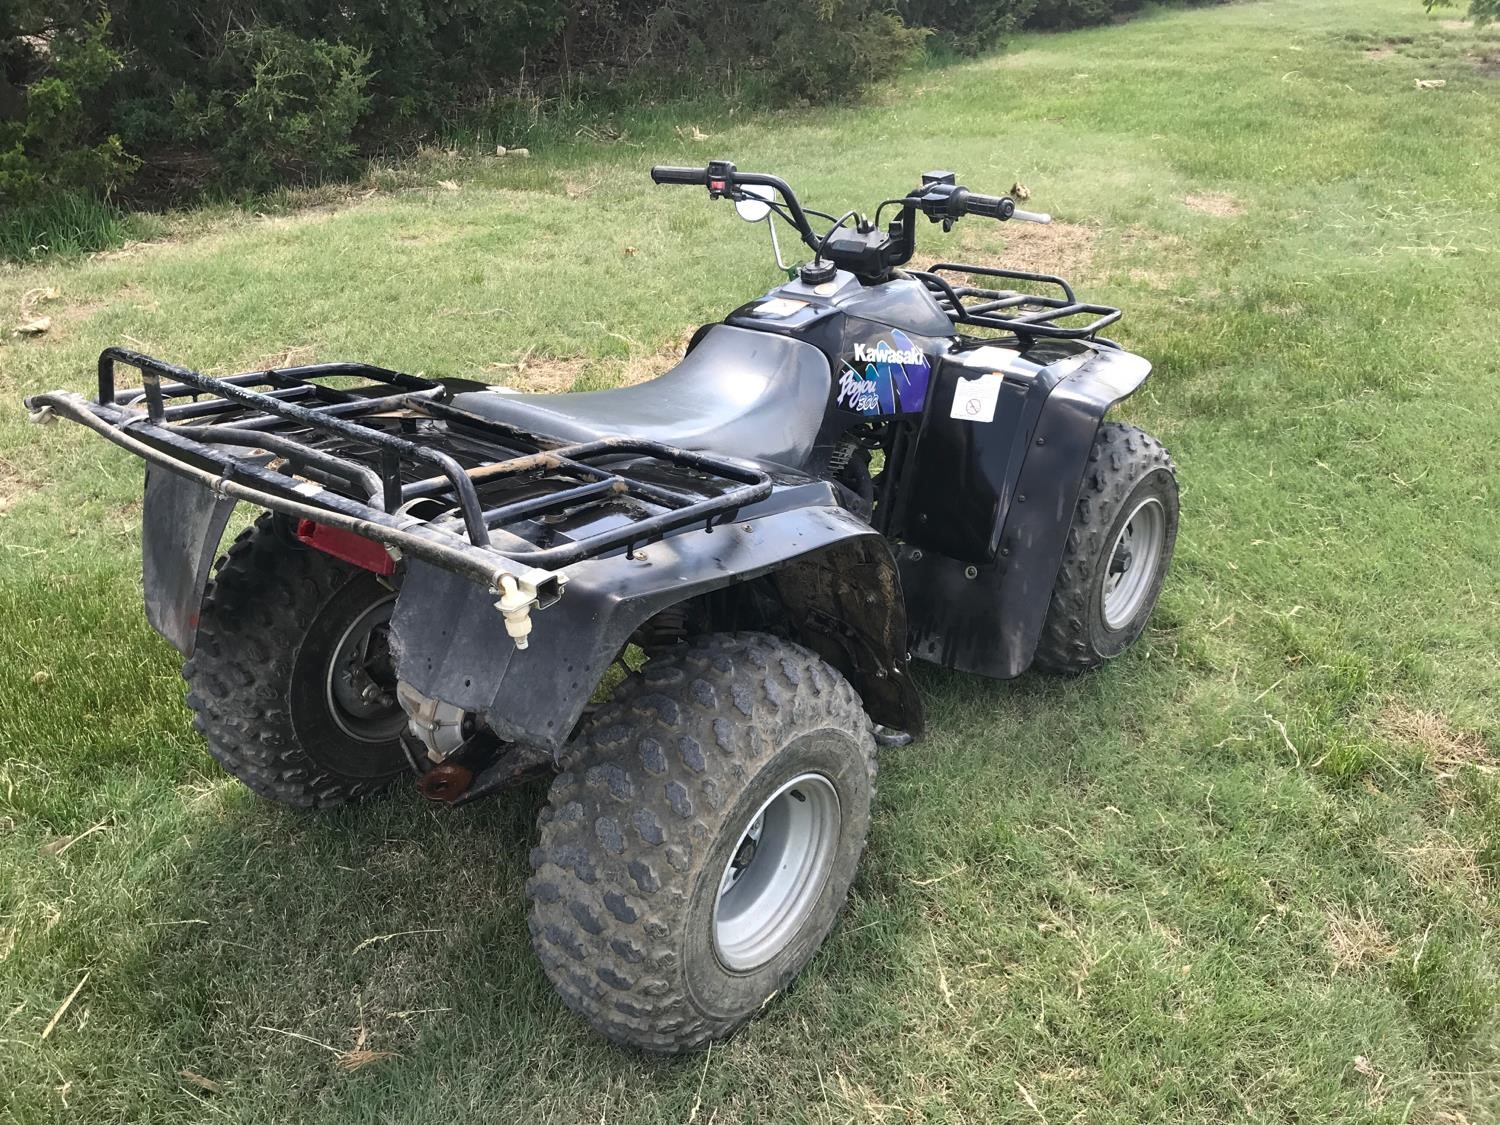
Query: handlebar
{"points": [[667, 174], [990, 206], [940, 198], [721, 177]]}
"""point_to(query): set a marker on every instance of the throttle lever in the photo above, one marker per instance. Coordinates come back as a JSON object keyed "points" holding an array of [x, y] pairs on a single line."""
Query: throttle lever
{"points": [[1031, 216]]}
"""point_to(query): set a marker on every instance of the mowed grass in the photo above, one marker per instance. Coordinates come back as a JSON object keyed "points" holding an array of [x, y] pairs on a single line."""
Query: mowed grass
{"points": [[1246, 873]]}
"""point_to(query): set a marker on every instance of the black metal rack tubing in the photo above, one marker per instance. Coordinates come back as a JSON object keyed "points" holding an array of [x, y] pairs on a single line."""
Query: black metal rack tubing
{"points": [[205, 408], [283, 375], [186, 449], [140, 436], [998, 271], [340, 468], [535, 506], [1040, 322], [351, 408], [153, 369]]}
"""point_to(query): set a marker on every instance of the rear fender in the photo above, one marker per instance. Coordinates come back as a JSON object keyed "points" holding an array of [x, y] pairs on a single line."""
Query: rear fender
{"points": [[836, 577], [985, 615], [182, 524]]}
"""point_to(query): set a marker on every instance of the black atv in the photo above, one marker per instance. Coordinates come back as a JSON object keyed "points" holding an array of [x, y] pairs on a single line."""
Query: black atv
{"points": [[866, 464]]}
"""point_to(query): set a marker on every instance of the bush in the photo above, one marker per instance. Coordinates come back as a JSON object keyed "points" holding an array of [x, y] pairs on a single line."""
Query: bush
{"points": [[279, 109], [1060, 14], [968, 26], [242, 96], [49, 135]]}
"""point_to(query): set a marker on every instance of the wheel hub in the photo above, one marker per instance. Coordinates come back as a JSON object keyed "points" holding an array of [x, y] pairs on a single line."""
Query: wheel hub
{"points": [[776, 873], [361, 682], [1127, 586]]}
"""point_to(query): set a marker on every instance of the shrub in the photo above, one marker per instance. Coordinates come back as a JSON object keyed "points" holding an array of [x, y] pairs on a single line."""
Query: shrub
{"points": [[49, 135], [968, 26], [281, 109], [1080, 13]]}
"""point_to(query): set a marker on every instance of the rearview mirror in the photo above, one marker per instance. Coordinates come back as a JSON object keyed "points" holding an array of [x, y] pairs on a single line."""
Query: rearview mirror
{"points": [[758, 206]]}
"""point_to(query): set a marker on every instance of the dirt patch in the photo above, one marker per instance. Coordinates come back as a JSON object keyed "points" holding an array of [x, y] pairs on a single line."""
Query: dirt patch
{"points": [[1376, 54], [13, 485], [1447, 749], [643, 365], [1220, 204], [1486, 62], [546, 375], [1357, 941], [533, 374], [1060, 248], [431, 236]]}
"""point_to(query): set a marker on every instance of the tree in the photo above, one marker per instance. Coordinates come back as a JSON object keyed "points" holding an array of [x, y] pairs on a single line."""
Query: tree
{"points": [[1480, 11]]}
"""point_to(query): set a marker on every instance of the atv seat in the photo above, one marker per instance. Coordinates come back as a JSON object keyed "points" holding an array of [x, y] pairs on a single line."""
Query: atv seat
{"points": [[739, 393]]}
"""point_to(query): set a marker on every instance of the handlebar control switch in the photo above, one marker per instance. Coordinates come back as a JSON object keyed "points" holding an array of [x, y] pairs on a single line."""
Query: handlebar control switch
{"points": [[949, 178], [720, 178]]}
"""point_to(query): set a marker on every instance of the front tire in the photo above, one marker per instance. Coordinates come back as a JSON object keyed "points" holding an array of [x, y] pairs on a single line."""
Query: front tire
{"points": [[1117, 555], [698, 850], [290, 681]]}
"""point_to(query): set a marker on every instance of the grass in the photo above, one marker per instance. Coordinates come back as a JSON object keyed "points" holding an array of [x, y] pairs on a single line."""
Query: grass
{"points": [[66, 225], [1246, 873]]}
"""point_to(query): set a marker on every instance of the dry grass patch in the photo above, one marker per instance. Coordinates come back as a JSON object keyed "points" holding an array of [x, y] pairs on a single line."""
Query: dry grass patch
{"points": [[1061, 248], [1376, 54], [1441, 862], [558, 375], [1357, 941], [1219, 204], [545, 375], [1446, 749]]}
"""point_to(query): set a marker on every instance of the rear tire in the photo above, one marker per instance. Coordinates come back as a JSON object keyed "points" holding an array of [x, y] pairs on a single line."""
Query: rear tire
{"points": [[1117, 555], [701, 845], [289, 640]]}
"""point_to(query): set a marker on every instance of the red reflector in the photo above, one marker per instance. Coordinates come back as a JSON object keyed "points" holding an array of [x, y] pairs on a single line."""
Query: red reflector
{"points": [[363, 553]]}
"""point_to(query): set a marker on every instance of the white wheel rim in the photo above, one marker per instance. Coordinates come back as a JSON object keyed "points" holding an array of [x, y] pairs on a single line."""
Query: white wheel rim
{"points": [[776, 873], [1132, 562]]}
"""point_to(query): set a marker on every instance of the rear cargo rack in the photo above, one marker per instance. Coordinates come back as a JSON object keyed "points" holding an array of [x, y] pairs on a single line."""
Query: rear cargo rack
{"points": [[1037, 314], [472, 495]]}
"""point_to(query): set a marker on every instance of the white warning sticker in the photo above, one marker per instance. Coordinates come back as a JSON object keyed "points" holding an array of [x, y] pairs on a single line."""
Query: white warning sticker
{"points": [[974, 400], [779, 307]]}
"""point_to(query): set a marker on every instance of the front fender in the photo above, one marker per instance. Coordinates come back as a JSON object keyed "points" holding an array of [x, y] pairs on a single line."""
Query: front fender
{"points": [[836, 576], [987, 618]]}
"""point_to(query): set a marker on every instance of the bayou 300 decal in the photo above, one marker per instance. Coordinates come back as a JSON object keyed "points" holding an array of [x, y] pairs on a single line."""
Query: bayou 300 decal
{"points": [[889, 376]]}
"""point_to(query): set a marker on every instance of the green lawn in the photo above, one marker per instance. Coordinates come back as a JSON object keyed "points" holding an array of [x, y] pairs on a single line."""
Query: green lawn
{"points": [[1248, 872]]}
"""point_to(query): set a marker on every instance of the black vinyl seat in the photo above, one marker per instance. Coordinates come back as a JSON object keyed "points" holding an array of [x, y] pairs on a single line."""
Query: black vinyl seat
{"points": [[753, 395]]}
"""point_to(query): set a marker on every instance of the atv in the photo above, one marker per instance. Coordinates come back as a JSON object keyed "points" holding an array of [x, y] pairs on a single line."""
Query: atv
{"points": [[868, 463]]}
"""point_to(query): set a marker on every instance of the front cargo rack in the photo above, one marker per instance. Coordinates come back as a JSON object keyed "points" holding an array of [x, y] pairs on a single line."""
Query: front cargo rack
{"points": [[1024, 314], [393, 461]]}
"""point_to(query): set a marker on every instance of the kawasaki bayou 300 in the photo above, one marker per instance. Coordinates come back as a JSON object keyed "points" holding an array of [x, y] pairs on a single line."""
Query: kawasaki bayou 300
{"points": [[864, 465]]}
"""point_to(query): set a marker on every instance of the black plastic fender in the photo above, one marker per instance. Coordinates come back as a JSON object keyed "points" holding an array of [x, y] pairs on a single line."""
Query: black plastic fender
{"points": [[182, 523], [834, 574], [985, 615]]}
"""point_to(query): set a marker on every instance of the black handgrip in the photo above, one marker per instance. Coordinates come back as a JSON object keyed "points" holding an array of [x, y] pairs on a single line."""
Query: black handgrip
{"points": [[666, 174], [991, 206]]}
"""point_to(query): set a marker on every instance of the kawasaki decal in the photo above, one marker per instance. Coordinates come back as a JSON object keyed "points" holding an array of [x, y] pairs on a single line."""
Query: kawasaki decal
{"points": [[886, 377]]}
